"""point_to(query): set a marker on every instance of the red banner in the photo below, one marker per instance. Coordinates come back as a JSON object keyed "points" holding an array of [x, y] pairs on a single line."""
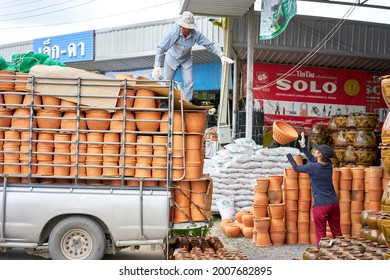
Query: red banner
{"points": [[309, 95]]}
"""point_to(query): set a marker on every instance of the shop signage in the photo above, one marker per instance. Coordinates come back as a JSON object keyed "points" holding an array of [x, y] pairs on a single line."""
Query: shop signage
{"points": [[67, 48], [308, 95]]}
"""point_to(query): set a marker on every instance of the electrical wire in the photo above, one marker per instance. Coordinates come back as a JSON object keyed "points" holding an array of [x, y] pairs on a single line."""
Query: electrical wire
{"points": [[20, 4], [313, 52], [37, 9], [91, 19], [60, 10]]}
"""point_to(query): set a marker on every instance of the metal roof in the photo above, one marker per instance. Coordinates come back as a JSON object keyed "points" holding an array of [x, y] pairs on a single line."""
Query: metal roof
{"points": [[221, 8]]}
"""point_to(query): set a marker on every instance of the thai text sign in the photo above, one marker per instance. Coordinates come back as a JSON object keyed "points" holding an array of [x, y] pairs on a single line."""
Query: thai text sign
{"points": [[67, 48]]}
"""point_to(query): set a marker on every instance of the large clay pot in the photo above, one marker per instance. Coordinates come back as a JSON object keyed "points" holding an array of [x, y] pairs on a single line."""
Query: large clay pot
{"points": [[98, 119], [385, 88], [178, 125], [367, 121], [277, 210], [125, 97], [117, 121], [144, 99], [195, 122], [148, 121], [21, 119], [49, 120], [232, 230], [5, 118], [69, 122], [8, 80]]}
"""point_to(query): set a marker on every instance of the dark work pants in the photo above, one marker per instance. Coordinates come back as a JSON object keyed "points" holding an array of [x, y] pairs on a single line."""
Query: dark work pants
{"points": [[328, 213]]}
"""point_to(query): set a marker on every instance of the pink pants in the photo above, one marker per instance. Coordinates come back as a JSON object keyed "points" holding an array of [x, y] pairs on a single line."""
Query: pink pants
{"points": [[328, 213]]}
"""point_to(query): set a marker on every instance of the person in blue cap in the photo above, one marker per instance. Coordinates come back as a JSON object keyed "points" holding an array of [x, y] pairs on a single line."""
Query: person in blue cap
{"points": [[325, 207], [177, 45]]}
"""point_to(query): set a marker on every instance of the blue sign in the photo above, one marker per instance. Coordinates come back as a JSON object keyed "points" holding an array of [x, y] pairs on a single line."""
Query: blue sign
{"points": [[67, 48]]}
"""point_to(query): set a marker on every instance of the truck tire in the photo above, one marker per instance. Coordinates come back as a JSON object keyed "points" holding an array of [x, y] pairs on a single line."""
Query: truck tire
{"points": [[77, 238]]}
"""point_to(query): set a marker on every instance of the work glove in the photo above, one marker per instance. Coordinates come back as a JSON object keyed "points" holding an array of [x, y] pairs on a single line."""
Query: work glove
{"points": [[156, 74], [224, 59], [302, 142]]}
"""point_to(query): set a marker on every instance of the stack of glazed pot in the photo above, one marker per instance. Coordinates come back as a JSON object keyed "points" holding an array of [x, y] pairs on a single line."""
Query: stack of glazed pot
{"points": [[369, 245], [353, 138]]}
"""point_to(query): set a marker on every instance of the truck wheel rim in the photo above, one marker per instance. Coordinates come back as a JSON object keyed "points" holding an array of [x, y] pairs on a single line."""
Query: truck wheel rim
{"points": [[76, 244]]}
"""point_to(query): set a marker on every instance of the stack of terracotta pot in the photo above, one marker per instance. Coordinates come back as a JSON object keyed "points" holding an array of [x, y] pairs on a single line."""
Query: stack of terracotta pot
{"points": [[304, 208], [291, 190], [358, 189], [261, 221], [345, 200]]}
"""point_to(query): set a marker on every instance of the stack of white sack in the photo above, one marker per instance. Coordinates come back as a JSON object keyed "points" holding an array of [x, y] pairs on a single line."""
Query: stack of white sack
{"points": [[235, 168]]}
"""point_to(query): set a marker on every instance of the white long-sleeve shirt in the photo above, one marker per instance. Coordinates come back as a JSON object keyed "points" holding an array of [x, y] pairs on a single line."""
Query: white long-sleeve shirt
{"points": [[178, 48]]}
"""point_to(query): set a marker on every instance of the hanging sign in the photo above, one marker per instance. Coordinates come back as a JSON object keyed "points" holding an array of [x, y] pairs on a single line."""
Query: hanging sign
{"points": [[275, 16]]}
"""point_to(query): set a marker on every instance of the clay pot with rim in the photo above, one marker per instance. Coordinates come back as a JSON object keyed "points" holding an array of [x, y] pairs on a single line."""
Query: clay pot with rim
{"points": [[283, 133], [8, 80], [239, 215], [148, 121], [232, 230], [262, 185], [247, 232], [144, 99], [260, 210], [5, 118], [262, 224], [69, 122], [49, 119], [98, 119], [177, 126], [277, 210], [117, 121], [195, 122]]}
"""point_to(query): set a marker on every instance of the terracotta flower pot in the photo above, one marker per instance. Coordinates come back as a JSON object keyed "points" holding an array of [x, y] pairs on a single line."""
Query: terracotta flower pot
{"points": [[69, 122], [21, 119], [5, 118], [98, 119], [117, 121], [277, 210], [232, 230], [260, 210], [125, 97], [148, 121], [49, 119], [283, 133], [68, 106], [262, 185], [144, 99], [195, 122], [178, 125]]}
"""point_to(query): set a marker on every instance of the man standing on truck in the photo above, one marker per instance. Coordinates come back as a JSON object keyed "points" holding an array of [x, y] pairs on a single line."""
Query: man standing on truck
{"points": [[177, 45]]}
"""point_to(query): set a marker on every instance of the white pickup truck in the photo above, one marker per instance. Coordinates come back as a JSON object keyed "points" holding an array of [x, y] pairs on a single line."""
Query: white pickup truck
{"points": [[89, 203]]}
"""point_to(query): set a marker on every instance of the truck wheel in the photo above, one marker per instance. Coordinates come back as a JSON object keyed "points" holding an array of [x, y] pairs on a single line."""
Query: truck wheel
{"points": [[77, 238]]}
